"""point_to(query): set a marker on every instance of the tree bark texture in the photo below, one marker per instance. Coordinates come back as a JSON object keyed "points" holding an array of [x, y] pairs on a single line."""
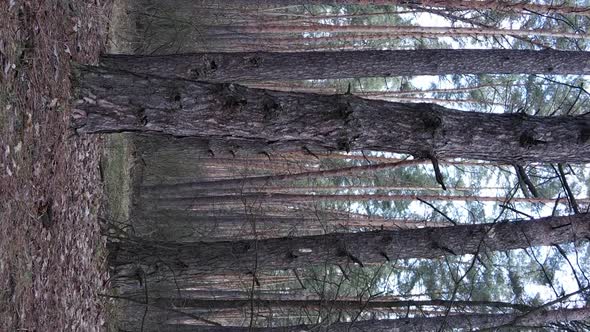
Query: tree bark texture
{"points": [[112, 101], [393, 30], [250, 256], [469, 322], [498, 5], [261, 66], [278, 198], [190, 226], [340, 304], [184, 189]]}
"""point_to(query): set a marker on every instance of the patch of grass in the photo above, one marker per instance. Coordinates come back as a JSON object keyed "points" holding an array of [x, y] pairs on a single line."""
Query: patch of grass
{"points": [[113, 312], [4, 98], [122, 35], [116, 165], [118, 156]]}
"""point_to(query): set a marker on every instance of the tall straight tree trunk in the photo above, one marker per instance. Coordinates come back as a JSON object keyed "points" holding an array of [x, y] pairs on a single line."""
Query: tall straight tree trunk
{"points": [[181, 189], [250, 256], [434, 100], [189, 226], [393, 30], [297, 86], [498, 5], [321, 188], [470, 322], [260, 66], [113, 101], [293, 302], [278, 198]]}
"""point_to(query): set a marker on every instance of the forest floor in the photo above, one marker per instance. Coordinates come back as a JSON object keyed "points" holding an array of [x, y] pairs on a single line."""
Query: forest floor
{"points": [[52, 255]]}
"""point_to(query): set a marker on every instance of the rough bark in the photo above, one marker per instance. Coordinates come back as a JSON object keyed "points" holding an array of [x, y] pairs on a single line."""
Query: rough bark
{"points": [[261, 66], [113, 102], [281, 43], [190, 226], [194, 150], [392, 30], [296, 86], [498, 5], [277, 198], [182, 189], [320, 188], [463, 321], [361, 248], [294, 301]]}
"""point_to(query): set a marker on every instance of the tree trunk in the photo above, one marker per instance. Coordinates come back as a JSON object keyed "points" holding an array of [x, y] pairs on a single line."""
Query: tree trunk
{"points": [[310, 302], [260, 66], [190, 226], [396, 30], [297, 86], [345, 41], [498, 5], [114, 102], [251, 256], [181, 189], [322, 188], [469, 322], [284, 198], [439, 101]]}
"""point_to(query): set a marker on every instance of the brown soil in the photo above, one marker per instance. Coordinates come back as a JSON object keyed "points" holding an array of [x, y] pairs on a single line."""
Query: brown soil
{"points": [[52, 266]]}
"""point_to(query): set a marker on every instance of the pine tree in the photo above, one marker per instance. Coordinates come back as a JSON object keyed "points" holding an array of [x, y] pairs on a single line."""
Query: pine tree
{"points": [[114, 102]]}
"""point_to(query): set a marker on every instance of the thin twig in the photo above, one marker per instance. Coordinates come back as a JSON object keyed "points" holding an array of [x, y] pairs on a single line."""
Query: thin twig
{"points": [[437, 210]]}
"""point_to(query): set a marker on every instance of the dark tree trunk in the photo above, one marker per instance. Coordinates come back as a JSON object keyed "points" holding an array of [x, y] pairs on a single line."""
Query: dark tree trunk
{"points": [[278, 198], [190, 226], [362, 248], [468, 322], [264, 66], [509, 6], [113, 101], [184, 189], [340, 304]]}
